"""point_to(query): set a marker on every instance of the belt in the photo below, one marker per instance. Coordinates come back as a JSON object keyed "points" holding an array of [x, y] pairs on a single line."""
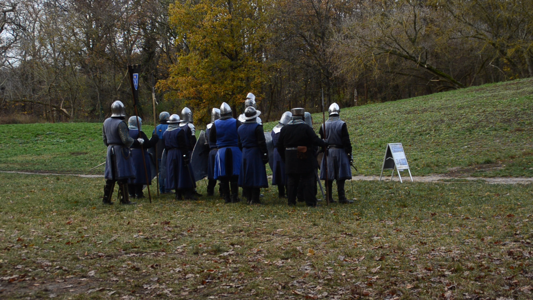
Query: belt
{"points": [[291, 148], [335, 146]]}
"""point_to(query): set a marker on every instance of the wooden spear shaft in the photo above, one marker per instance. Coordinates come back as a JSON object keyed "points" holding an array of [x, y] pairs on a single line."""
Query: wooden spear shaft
{"points": [[155, 130], [326, 151]]}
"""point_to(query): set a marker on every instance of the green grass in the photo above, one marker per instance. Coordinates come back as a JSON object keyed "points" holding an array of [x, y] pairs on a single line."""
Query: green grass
{"points": [[479, 131], [411, 241]]}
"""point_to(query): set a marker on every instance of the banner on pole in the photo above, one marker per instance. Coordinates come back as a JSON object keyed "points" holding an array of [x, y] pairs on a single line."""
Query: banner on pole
{"points": [[135, 72]]}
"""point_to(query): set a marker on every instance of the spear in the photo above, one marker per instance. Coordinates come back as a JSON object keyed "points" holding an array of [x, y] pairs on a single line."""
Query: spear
{"points": [[134, 80], [325, 152], [155, 125]]}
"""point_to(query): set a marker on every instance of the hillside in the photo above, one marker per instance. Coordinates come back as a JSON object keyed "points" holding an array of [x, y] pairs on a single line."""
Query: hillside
{"points": [[480, 131]]}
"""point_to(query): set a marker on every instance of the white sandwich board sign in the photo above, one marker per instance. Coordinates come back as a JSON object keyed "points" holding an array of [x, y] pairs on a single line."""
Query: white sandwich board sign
{"points": [[395, 159]]}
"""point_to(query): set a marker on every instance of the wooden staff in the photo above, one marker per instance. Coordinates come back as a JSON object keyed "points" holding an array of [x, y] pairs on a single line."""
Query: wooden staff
{"points": [[155, 130], [326, 151]]}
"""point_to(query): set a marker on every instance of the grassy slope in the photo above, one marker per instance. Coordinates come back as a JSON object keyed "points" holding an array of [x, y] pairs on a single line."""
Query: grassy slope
{"points": [[479, 131]]}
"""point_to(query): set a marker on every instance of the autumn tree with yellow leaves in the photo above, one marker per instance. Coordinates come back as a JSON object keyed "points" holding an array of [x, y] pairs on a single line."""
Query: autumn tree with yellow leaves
{"points": [[221, 53]]}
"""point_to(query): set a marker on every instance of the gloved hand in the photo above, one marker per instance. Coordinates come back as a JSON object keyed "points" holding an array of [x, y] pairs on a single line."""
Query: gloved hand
{"points": [[350, 158], [265, 158], [186, 159], [140, 140]]}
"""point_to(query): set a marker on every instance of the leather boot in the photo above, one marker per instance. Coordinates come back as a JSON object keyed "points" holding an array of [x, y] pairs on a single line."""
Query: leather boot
{"points": [[108, 192], [329, 184], [123, 194], [256, 196], [234, 192], [341, 192], [211, 187], [281, 191]]}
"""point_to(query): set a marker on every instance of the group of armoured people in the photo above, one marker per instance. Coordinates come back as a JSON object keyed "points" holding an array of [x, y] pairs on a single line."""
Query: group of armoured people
{"points": [[238, 153]]}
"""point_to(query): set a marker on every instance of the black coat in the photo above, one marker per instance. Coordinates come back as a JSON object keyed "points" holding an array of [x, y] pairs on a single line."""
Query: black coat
{"points": [[298, 134]]}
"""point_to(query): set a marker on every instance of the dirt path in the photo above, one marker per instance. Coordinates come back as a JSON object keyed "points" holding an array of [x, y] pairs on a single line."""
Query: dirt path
{"points": [[428, 178]]}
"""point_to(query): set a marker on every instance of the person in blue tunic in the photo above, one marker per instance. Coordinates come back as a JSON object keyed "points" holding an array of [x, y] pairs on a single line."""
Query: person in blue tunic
{"points": [[118, 167], [339, 153], [179, 176], [135, 185], [224, 133], [211, 181], [279, 177], [252, 176], [160, 146]]}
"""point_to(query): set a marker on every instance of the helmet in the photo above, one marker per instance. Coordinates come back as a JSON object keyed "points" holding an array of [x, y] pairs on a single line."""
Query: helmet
{"points": [[334, 109], [118, 110], [308, 119], [164, 115], [250, 100], [285, 118], [225, 111], [215, 114], [132, 122], [297, 112], [186, 115], [174, 119], [250, 113]]}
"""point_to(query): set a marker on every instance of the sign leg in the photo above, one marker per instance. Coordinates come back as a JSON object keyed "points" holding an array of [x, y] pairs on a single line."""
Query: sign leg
{"points": [[399, 176]]}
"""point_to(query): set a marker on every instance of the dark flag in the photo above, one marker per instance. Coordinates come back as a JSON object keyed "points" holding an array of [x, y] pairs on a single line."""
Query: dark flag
{"points": [[135, 72]]}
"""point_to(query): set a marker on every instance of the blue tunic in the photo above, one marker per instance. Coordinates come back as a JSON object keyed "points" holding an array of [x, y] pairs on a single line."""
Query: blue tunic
{"points": [[178, 175], [253, 172], [338, 162], [228, 158], [138, 163], [279, 177], [212, 154], [118, 160]]}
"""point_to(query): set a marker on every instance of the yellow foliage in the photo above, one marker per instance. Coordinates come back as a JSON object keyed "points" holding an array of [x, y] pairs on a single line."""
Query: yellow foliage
{"points": [[220, 57]]}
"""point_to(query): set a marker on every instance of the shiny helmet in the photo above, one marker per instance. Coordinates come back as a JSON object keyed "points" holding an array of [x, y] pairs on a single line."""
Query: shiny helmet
{"points": [[174, 119], [334, 109], [250, 101], [118, 110], [285, 118], [186, 115], [297, 112], [250, 113], [132, 122], [225, 111], [215, 114], [164, 115], [308, 119]]}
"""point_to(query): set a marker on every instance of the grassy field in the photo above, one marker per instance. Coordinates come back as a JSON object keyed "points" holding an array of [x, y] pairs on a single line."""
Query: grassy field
{"points": [[480, 131], [457, 240]]}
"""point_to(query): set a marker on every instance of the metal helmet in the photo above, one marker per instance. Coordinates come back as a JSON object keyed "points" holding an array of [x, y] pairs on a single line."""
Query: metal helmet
{"points": [[225, 111], [297, 112], [250, 113], [285, 118], [118, 110], [174, 119], [186, 115], [250, 100], [215, 114], [334, 109], [164, 115], [132, 122], [308, 119]]}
